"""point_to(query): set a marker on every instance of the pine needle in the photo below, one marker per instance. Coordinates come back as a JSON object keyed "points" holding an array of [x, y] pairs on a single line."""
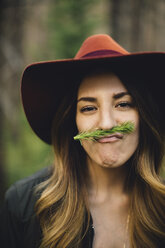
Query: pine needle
{"points": [[125, 128]]}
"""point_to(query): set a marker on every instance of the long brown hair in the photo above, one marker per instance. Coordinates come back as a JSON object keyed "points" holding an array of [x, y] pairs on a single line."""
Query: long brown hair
{"points": [[63, 205], [147, 223], [61, 208]]}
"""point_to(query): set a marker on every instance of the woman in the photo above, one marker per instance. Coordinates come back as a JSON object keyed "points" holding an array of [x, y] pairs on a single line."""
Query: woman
{"points": [[104, 191]]}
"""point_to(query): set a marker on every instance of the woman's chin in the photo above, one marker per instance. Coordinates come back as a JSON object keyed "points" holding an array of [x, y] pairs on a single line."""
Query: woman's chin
{"points": [[111, 160]]}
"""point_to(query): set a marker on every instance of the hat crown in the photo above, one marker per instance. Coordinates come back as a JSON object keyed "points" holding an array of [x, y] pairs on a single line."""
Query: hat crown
{"points": [[100, 44]]}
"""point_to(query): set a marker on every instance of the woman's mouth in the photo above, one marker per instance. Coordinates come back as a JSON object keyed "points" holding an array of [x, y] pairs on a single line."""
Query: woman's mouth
{"points": [[110, 138]]}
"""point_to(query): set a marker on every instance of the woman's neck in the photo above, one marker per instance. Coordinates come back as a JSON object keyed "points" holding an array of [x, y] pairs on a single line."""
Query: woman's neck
{"points": [[105, 183]]}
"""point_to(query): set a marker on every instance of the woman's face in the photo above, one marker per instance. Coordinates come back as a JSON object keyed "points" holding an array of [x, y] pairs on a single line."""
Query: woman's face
{"points": [[102, 103]]}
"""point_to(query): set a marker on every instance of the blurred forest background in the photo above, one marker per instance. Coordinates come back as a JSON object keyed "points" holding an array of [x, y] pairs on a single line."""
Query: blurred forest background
{"points": [[35, 30]]}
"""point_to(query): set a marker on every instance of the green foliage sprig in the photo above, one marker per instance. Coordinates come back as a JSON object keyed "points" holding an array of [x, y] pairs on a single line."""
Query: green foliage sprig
{"points": [[125, 128]]}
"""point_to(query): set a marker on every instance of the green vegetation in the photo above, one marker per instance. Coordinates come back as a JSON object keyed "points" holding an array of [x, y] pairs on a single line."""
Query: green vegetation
{"points": [[126, 127], [24, 154], [69, 23]]}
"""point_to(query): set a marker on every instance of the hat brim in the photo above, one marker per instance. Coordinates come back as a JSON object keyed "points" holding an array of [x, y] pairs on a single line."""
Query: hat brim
{"points": [[44, 84]]}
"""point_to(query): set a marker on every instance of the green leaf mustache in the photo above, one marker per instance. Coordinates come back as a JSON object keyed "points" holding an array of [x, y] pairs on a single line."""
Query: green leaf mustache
{"points": [[125, 128]]}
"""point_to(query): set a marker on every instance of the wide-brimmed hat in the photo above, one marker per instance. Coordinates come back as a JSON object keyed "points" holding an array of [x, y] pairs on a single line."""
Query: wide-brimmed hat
{"points": [[44, 84]]}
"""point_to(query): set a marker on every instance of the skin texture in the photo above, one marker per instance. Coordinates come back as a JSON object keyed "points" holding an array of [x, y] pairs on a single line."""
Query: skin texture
{"points": [[103, 111]]}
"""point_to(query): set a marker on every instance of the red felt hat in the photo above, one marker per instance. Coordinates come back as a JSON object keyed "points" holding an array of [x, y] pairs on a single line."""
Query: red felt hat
{"points": [[44, 84]]}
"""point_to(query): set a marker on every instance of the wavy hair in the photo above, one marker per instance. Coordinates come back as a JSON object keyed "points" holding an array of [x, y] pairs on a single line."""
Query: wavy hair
{"points": [[147, 222], [63, 204]]}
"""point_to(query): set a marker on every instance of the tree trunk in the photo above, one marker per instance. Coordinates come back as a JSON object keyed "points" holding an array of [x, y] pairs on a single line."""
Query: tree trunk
{"points": [[11, 29]]}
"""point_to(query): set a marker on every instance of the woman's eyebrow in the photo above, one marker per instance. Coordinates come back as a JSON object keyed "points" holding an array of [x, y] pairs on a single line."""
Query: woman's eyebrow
{"points": [[121, 94], [93, 99], [87, 99]]}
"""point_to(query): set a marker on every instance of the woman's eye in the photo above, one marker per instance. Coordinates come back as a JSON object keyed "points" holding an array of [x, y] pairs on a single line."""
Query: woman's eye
{"points": [[88, 109], [124, 105]]}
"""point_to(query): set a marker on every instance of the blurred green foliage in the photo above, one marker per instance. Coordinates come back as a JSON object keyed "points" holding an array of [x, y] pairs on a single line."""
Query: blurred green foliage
{"points": [[24, 153], [70, 22]]}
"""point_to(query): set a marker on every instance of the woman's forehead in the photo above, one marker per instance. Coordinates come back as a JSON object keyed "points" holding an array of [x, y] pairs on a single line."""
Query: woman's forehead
{"points": [[101, 82]]}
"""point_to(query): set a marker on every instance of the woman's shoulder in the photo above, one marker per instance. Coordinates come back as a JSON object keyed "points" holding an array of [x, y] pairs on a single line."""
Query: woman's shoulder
{"points": [[20, 198], [30, 182], [19, 226]]}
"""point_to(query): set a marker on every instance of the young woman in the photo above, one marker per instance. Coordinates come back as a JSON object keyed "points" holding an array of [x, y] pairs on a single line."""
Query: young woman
{"points": [[104, 191]]}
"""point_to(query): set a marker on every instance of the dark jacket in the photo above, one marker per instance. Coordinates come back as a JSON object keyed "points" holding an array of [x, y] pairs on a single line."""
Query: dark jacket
{"points": [[19, 226]]}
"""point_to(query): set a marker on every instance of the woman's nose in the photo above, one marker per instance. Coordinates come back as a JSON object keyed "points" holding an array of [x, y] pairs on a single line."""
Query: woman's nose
{"points": [[107, 120]]}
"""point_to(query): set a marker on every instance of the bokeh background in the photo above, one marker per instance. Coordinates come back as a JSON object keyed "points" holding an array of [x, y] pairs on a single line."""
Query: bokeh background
{"points": [[37, 30]]}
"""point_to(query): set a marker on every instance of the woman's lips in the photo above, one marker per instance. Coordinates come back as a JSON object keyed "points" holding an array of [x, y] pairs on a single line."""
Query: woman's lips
{"points": [[111, 138]]}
